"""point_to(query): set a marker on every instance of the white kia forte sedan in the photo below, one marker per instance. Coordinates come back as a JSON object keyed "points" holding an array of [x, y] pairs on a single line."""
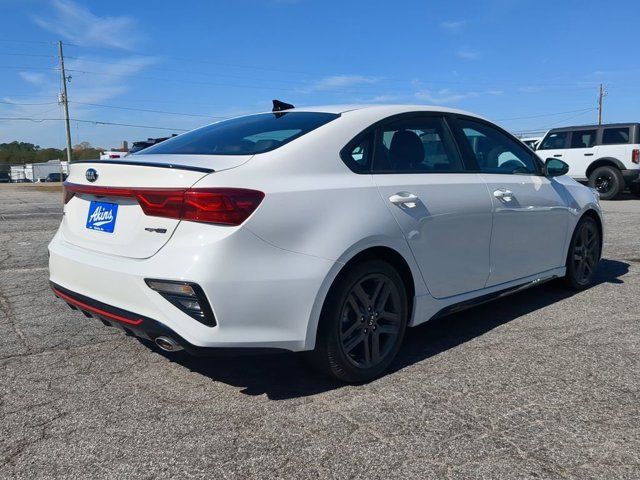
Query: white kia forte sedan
{"points": [[329, 230]]}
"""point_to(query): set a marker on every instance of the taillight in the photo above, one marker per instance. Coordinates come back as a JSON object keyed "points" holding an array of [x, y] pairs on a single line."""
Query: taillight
{"points": [[161, 202], [635, 155], [227, 206]]}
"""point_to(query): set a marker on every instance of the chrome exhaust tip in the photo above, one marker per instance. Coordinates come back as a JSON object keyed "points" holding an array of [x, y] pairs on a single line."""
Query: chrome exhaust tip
{"points": [[168, 344]]}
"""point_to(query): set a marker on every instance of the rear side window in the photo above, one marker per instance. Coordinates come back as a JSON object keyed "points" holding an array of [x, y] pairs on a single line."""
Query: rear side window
{"points": [[614, 136], [416, 145], [554, 141], [358, 155], [245, 135], [583, 138]]}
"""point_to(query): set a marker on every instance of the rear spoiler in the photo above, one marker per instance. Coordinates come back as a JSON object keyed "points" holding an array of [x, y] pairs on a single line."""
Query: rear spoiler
{"points": [[146, 164]]}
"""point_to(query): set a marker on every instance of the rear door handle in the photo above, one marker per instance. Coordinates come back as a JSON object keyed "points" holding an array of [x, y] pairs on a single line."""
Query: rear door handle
{"points": [[588, 154], [404, 198], [503, 194], [558, 155]]}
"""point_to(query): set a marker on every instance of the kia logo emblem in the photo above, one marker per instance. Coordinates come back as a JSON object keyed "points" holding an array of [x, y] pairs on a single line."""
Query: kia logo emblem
{"points": [[92, 175]]}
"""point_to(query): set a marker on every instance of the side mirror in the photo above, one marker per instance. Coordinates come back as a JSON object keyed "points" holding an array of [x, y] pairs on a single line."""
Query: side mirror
{"points": [[554, 167]]}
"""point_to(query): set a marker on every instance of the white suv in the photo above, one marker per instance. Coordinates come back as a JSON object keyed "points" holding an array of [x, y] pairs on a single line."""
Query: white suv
{"points": [[607, 156]]}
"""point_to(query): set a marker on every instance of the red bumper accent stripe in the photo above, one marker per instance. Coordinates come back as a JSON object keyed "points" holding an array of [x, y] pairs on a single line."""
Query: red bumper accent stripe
{"points": [[95, 310]]}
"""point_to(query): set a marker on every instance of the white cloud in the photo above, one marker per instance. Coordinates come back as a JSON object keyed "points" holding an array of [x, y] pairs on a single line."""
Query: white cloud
{"points": [[382, 99], [33, 78], [453, 26], [468, 54], [79, 25], [445, 95], [111, 81], [339, 81]]}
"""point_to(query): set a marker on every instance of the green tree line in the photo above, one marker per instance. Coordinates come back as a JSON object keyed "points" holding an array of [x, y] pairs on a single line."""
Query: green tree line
{"points": [[21, 152]]}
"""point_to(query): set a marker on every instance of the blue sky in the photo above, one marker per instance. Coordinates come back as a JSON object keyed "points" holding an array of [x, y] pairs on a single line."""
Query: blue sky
{"points": [[528, 64]]}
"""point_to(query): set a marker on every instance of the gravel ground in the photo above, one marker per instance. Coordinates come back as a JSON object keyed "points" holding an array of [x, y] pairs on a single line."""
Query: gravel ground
{"points": [[542, 384]]}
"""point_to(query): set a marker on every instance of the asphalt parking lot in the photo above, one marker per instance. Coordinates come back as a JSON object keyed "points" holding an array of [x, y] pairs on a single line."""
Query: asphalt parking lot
{"points": [[542, 384]]}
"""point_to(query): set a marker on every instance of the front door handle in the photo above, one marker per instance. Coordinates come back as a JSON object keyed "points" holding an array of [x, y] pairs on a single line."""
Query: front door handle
{"points": [[503, 194], [588, 154], [558, 155], [404, 198]]}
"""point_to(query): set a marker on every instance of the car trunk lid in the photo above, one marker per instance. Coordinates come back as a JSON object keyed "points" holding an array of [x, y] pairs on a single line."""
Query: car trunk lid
{"points": [[104, 201]]}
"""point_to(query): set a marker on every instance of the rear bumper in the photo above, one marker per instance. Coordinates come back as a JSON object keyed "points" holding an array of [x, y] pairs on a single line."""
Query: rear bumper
{"points": [[263, 297], [631, 176], [138, 325]]}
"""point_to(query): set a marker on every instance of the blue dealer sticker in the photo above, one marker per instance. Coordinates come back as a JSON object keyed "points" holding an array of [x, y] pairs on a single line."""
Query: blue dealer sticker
{"points": [[102, 216]]}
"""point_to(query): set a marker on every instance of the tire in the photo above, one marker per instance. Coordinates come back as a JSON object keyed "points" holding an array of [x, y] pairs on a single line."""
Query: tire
{"points": [[366, 306], [584, 254], [608, 181]]}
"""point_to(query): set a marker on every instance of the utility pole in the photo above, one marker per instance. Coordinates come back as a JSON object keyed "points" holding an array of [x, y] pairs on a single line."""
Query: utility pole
{"points": [[600, 97], [65, 102]]}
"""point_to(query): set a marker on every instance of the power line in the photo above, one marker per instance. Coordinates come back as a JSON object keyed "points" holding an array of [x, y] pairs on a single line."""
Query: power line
{"points": [[544, 115], [27, 104], [27, 55], [147, 110], [13, 40], [94, 122], [98, 122], [544, 129], [16, 67]]}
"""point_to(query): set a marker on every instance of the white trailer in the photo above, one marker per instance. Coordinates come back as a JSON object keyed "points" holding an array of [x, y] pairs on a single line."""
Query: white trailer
{"points": [[38, 172]]}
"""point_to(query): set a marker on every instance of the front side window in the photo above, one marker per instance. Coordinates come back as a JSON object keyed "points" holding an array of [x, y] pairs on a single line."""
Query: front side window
{"points": [[554, 141], [416, 145], [615, 136], [494, 151], [583, 138], [244, 135]]}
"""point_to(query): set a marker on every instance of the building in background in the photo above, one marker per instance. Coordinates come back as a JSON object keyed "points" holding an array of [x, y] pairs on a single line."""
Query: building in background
{"points": [[38, 172]]}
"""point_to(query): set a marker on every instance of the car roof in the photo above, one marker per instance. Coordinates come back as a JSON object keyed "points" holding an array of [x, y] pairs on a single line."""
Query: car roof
{"points": [[581, 127], [386, 108]]}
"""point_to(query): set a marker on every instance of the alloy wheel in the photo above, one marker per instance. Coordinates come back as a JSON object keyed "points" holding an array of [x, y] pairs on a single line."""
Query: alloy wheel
{"points": [[604, 182], [586, 251], [370, 320]]}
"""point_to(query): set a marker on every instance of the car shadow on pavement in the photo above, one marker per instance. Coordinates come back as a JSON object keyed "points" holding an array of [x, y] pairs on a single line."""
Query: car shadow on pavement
{"points": [[287, 375]]}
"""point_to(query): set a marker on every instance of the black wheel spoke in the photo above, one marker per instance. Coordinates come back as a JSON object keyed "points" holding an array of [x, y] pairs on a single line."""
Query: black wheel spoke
{"points": [[390, 329], [583, 237], [351, 301], [354, 326], [354, 342], [380, 286], [367, 351], [580, 271], [362, 296], [383, 297], [375, 347], [389, 316]]}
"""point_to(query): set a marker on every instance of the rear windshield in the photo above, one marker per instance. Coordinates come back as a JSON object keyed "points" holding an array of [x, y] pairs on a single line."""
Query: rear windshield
{"points": [[245, 135]]}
